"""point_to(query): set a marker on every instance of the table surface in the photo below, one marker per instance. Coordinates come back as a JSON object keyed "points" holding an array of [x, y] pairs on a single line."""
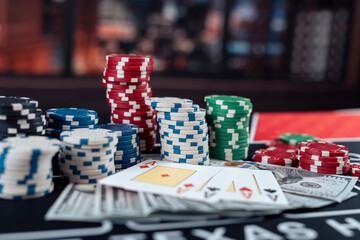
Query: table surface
{"points": [[25, 220]]}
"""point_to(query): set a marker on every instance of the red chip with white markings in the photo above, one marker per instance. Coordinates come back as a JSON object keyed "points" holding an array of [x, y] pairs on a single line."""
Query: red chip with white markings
{"points": [[324, 149], [274, 153]]}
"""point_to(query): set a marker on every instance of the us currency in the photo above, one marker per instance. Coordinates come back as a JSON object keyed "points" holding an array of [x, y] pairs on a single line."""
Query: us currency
{"points": [[302, 182]]}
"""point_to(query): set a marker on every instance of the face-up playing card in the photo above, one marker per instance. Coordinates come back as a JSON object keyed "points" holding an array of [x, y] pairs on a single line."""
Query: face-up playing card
{"points": [[269, 187], [161, 177]]}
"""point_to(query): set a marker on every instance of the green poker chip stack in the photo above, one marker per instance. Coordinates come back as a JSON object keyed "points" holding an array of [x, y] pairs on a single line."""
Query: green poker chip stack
{"points": [[227, 118], [294, 138]]}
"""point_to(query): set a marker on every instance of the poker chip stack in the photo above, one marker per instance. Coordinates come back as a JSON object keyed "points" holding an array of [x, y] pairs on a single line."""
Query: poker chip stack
{"points": [[290, 140], [276, 156], [126, 78], [87, 155], [228, 122], [323, 157], [183, 130], [355, 171], [63, 119], [26, 167], [19, 116], [127, 149]]}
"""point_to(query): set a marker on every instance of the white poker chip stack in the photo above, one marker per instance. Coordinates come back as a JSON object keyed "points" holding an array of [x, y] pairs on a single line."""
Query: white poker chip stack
{"points": [[183, 130], [26, 166], [87, 155]]}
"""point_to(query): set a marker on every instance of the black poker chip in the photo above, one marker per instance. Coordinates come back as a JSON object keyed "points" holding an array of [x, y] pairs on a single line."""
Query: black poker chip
{"points": [[13, 103], [15, 115]]}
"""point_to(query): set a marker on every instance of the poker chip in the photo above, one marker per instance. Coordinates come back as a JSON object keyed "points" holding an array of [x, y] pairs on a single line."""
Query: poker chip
{"points": [[127, 147], [295, 139], [182, 129], [325, 170], [279, 144], [26, 166], [355, 171], [65, 119], [169, 102], [19, 116], [126, 78], [323, 157], [227, 118], [324, 149], [87, 155], [276, 156]]}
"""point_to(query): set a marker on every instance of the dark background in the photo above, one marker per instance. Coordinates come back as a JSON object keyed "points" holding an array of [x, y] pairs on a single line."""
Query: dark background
{"points": [[284, 55]]}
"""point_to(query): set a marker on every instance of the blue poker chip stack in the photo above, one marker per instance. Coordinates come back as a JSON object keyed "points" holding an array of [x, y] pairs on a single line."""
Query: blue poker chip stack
{"points": [[64, 119], [26, 166], [87, 155], [19, 116], [183, 130], [127, 150]]}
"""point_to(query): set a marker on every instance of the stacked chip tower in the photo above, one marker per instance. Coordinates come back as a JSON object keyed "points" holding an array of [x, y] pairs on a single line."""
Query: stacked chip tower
{"points": [[228, 123], [276, 156], [323, 157], [64, 119], [87, 155], [126, 78], [127, 152], [26, 166], [20, 116], [183, 130]]}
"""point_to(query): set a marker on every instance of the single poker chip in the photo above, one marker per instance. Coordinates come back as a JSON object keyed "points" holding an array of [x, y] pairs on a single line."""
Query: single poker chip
{"points": [[125, 87], [30, 144], [196, 161], [126, 78], [24, 115], [186, 128], [182, 123], [194, 108], [324, 159], [324, 149], [17, 103], [120, 114], [279, 144], [71, 114], [86, 136], [295, 139], [127, 161], [338, 170], [132, 63], [320, 163], [355, 169], [227, 99], [276, 154], [179, 144], [125, 165], [225, 111], [127, 151], [117, 72], [129, 68], [283, 162], [169, 102], [68, 127], [128, 58], [73, 123], [121, 129], [127, 147], [179, 135], [127, 156], [184, 151], [181, 131]]}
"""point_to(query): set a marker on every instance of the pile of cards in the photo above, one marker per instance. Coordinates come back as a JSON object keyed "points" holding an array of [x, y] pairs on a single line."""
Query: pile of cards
{"points": [[183, 130], [87, 155], [206, 184]]}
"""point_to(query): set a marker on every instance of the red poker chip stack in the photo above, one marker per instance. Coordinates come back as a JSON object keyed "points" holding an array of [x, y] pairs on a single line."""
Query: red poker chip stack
{"points": [[276, 156], [355, 171], [323, 157], [126, 79]]}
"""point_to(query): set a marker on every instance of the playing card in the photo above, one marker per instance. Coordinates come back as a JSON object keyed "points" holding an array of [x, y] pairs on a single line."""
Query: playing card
{"points": [[161, 177]]}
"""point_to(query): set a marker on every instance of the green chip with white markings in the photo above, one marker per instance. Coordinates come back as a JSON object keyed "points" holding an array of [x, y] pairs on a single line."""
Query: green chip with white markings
{"points": [[295, 138]]}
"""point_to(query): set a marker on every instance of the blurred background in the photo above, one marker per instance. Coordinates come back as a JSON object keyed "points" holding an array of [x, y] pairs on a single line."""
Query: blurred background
{"points": [[285, 55]]}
